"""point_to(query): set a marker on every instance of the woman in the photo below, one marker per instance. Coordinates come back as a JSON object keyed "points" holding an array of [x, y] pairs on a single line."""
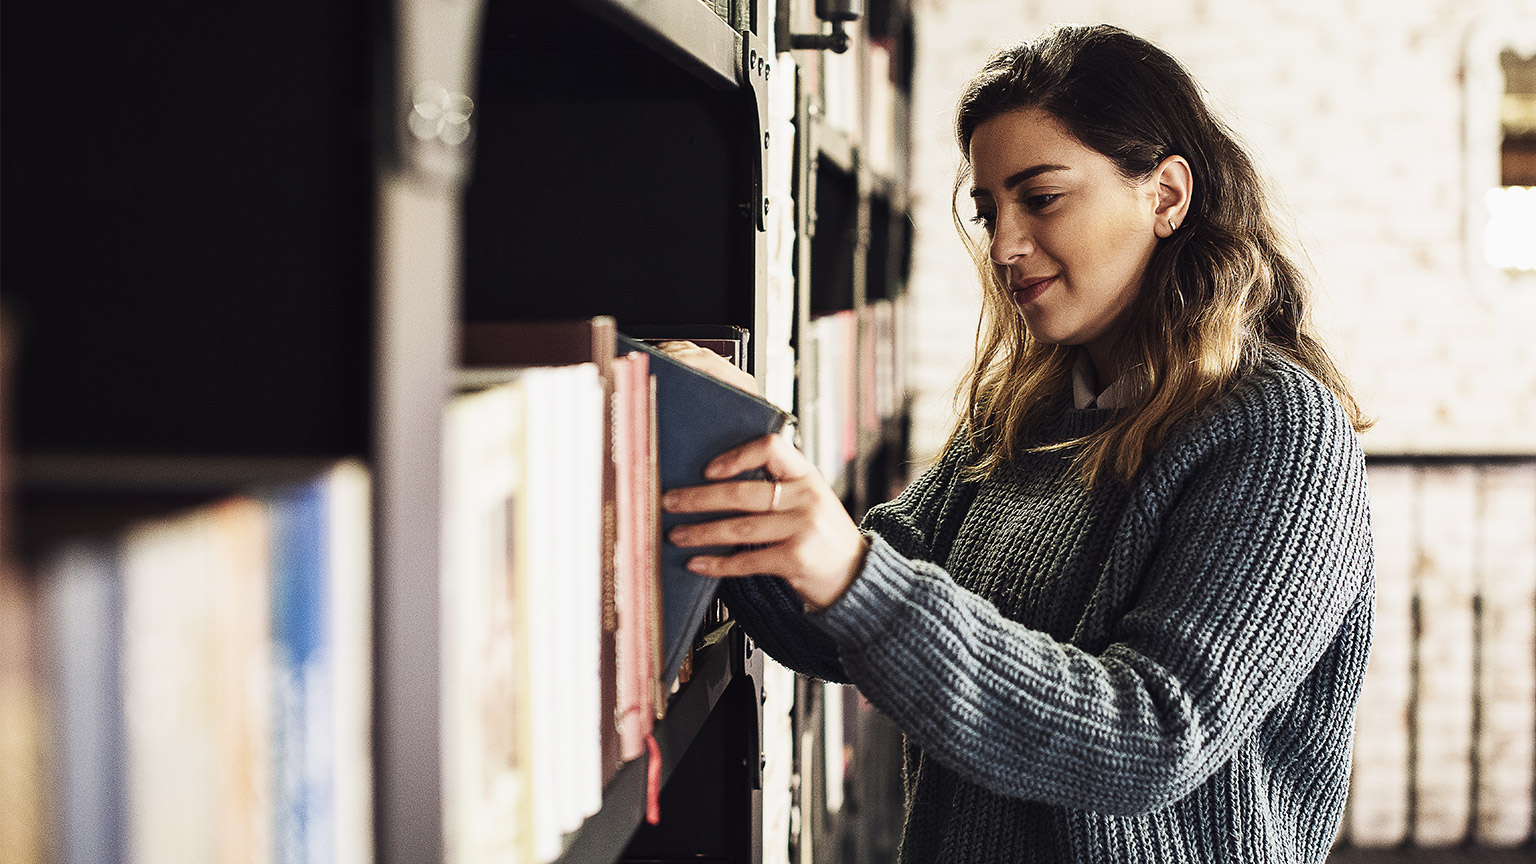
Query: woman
{"points": [[1125, 615]]}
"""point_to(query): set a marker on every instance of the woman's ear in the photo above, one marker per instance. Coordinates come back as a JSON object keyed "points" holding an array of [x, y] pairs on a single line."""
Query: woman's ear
{"points": [[1174, 187]]}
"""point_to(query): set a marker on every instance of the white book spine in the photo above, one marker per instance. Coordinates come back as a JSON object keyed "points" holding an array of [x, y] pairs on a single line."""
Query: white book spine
{"points": [[483, 780], [840, 80], [587, 430], [563, 532], [541, 530], [832, 746], [170, 758], [350, 547], [779, 378], [778, 759], [882, 122], [810, 402]]}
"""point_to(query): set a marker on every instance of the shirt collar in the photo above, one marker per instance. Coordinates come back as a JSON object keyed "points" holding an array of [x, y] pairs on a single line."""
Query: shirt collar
{"points": [[1085, 382]]}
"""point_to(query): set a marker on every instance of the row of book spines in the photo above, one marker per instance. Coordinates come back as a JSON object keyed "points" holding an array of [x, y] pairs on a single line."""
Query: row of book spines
{"points": [[202, 682], [1446, 728], [532, 418], [850, 383], [523, 727]]}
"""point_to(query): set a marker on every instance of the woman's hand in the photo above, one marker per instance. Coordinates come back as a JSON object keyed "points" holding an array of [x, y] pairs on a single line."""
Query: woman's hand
{"points": [[813, 543], [710, 363]]}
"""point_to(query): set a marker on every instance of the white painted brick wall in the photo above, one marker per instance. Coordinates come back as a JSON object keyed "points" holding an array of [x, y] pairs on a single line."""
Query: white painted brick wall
{"points": [[1443, 713], [1379, 804], [1505, 567], [1355, 111]]}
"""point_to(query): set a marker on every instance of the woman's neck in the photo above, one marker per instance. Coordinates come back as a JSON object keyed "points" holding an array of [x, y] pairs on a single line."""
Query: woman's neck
{"points": [[1105, 365]]}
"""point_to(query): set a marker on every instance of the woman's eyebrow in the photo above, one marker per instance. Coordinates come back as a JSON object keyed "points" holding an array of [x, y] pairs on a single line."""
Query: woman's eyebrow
{"points": [[1020, 176]]}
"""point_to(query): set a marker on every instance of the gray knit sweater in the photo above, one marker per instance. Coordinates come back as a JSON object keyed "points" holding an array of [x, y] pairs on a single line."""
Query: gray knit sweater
{"points": [[1164, 672]]}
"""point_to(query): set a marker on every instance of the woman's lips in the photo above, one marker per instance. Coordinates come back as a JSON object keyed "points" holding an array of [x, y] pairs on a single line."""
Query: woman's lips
{"points": [[1029, 290]]}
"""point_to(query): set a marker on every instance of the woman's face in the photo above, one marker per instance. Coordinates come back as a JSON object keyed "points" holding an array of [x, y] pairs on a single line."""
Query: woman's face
{"points": [[1073, 235]]}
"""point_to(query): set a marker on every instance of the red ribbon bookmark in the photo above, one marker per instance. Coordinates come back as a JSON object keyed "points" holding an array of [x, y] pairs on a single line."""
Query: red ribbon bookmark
{"points": [[653, 781]]}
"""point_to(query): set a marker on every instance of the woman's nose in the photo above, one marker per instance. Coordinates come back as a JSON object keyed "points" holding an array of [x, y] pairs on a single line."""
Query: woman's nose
{"points": [[1010, 241]]}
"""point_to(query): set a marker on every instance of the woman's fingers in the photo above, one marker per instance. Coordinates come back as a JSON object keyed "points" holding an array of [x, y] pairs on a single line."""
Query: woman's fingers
{"points": [[709, 363], [770, 452], [738, 530], [817, 570], [743, 496], [792, 523]]}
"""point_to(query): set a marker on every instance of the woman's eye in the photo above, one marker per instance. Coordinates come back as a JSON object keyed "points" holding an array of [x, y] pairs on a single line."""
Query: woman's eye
{"points": [[1040, 202], [985, 220]]}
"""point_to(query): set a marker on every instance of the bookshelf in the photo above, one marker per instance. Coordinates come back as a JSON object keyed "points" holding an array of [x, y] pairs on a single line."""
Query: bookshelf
{"points": [[229, 270]]}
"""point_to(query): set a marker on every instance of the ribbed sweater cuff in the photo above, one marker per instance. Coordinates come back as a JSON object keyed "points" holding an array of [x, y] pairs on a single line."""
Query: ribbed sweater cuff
{"points": [[867, 610]]}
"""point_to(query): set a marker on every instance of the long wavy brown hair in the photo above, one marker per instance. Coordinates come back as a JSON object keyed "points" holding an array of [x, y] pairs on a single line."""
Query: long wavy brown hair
{"points": [[1216, 294]]}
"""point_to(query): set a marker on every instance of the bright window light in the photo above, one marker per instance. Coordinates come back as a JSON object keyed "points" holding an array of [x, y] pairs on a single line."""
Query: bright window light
{"points": [[1510, 242]]}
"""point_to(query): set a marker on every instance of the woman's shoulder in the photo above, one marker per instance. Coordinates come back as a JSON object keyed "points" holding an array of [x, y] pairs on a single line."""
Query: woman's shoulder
{"points": [[1284, 389], [1276, 406]]}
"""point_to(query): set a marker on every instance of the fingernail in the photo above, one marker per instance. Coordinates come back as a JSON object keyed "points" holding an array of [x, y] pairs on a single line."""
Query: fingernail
{"points": [[678, 535], [714, 471], [668, 500]]}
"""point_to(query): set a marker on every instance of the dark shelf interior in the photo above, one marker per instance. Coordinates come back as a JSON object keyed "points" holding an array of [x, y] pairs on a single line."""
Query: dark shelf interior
{"points": [[703, 811], [835, 241], [187, 224], [890, 250], [609, 180]]}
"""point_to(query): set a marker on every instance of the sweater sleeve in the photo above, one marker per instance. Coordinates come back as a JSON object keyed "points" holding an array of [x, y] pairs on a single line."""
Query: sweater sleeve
{"points": [[1248, 542], [773, 614]]}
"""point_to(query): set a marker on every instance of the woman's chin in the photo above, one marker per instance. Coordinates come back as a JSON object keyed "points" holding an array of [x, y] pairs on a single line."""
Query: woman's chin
{"points": [[1041, 332]]}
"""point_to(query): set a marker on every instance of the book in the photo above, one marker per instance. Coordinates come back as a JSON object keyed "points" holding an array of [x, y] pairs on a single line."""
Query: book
{"points": [[211, 667], [729, 341], [349, 537], [778, 739], [81, 596], [880, 89], [240, 649], [171, 756], [486, 742], [321, 667], [829, 397], [637, 586], [487, 350], [559, 443], [698, 418], [198, 740], [22, 722], [558, 543]]}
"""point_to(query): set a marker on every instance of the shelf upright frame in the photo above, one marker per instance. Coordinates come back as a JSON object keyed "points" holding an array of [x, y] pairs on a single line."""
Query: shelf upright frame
{"points": [[420, 179]]}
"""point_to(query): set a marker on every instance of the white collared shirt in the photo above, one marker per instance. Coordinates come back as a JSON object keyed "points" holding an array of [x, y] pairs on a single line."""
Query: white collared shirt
{"points": [[1085, 382]]}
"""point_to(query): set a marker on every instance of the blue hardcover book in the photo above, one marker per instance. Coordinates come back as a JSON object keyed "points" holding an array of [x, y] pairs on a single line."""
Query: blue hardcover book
{"points": [[698, 417], [302, 673]]}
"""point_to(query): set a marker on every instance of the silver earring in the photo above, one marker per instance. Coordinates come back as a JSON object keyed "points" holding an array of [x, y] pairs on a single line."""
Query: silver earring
{"points": [[1172, 227]]}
